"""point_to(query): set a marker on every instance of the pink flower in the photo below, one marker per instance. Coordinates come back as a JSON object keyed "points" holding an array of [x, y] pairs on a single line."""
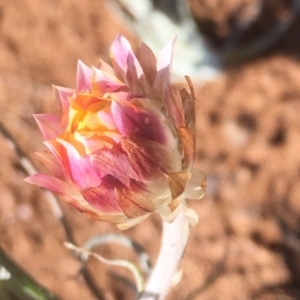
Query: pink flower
{"points": [[124, 144]]}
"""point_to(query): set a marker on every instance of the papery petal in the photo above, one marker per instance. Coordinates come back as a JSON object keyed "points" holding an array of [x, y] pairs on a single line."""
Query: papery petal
{"points": [[106, 117], [113, 162], [105, 82], [136, 122], [50, 125], [165, 212], [164, 65], [51, 162], [188, 103], [169, 213], [196, 186], [178, 183], [137, 83], [62, 96], [127, 66], [77, 169], [147, 60], [123, 58], [171, 137], [156, 189], [191, 216], [103, 197], [148, 157], [105, 67], [78, 202], [165, 57], [121, 96], [134, 204], [92, 142], [85, 102], [57, 149], [187, 138], [173, 105], [84, 77], [49, 182], [132, 222]]}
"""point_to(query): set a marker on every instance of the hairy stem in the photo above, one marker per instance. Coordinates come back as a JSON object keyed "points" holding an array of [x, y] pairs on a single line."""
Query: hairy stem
{"points": [[174, 239]]}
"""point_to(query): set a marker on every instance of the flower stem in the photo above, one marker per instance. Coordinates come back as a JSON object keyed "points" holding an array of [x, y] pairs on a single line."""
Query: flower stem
{"points": [[174, 239]]}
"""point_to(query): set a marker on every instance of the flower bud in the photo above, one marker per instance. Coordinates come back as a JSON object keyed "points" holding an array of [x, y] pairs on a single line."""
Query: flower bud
{"points": [[123, 144]]}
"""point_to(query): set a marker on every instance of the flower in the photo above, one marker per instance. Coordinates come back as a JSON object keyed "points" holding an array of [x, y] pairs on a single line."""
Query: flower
{"points": [[123, 145]]}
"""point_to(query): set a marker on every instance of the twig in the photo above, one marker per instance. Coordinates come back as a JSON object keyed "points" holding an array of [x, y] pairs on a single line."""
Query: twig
{"points": [[123, 240], [114, 262]]}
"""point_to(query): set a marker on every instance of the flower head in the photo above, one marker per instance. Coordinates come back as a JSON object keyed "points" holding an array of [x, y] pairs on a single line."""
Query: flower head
{"points": [[123, 144]]}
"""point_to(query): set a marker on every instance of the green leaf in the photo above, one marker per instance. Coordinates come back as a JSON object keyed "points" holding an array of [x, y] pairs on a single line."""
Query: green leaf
{"points": [[16, 284]]}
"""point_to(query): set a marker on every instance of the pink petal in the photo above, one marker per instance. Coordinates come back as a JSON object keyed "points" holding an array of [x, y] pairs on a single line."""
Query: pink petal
{"points": [[78, 167], [105, 82], [170, 138], [136, 83], [114, 162], [121, 96], [106, 117], [164, 64], [51, 162], [121, 53], [50, 125], [90, 143], [133, 121], [84, 77], [165, 57], [102, 198], [149, 158], [79, 203], [49, 182], [62, 96]]}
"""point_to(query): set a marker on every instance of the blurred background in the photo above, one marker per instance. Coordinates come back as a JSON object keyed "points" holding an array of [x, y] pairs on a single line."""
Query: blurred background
{"points": [[243, 57]]}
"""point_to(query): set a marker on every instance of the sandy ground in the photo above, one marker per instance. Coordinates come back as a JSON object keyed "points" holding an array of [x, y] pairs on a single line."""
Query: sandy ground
{"points": [[246, 244]]}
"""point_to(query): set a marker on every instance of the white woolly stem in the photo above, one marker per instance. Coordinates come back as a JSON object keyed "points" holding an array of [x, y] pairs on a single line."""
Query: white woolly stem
{"points": [[174, 239]]}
